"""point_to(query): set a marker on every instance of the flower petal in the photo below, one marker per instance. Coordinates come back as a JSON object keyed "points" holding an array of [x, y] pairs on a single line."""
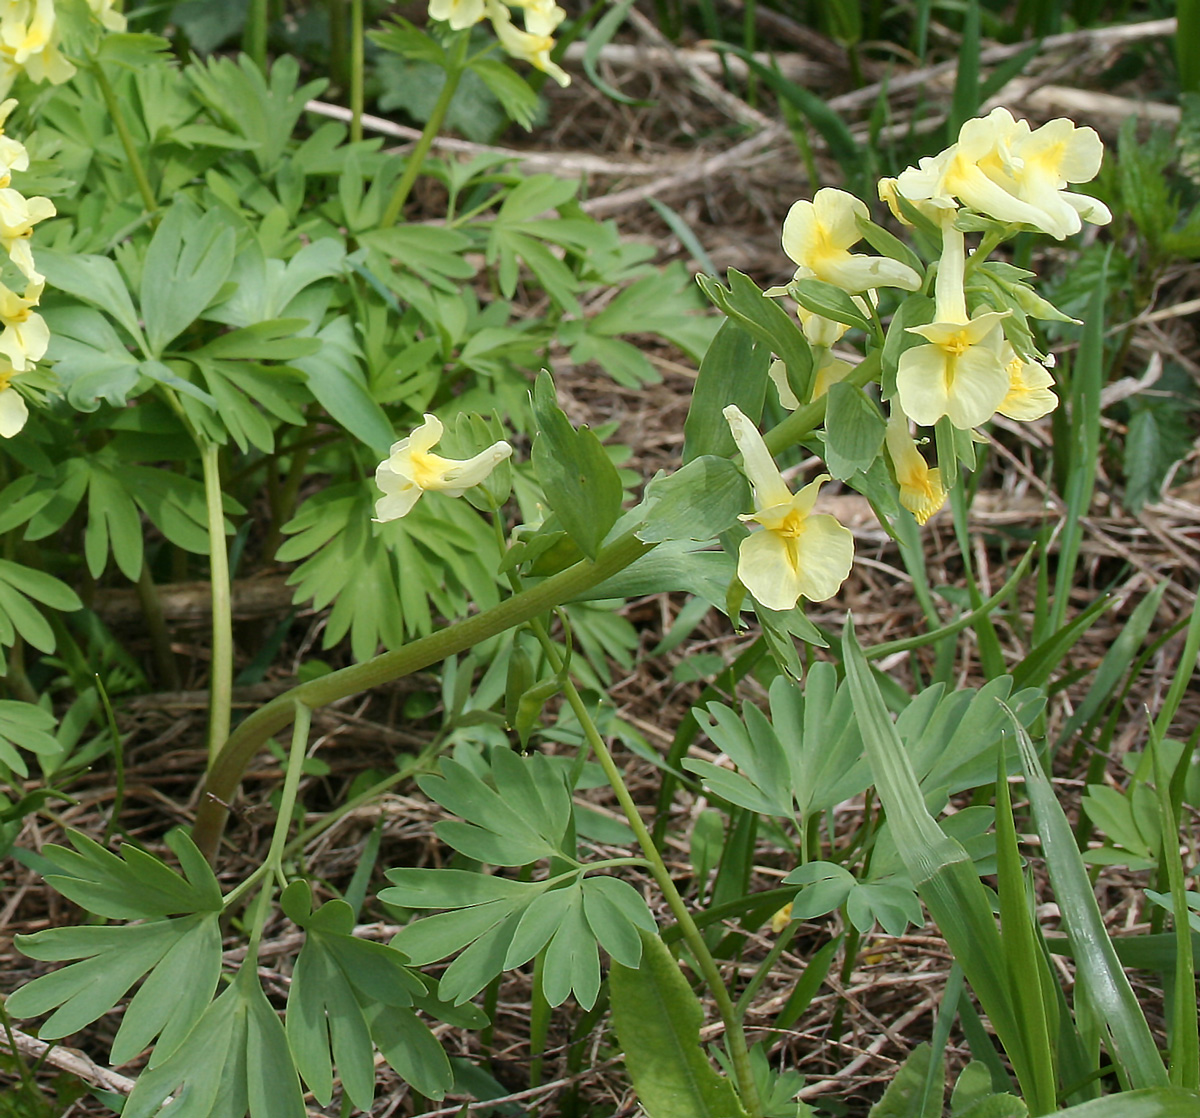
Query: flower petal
{"points": [[767, 567], [757, 463]]}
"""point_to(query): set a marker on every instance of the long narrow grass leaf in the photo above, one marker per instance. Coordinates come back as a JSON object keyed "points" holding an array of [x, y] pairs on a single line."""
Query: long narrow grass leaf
{"points": [[1107, 986], [1087, 378], [1152, 1102], [965, 102], [1022, 956], [1184, 1052], [1035, 669], [940, 868]]}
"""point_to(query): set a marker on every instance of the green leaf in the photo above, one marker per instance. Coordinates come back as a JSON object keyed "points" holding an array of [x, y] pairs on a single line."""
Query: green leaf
{"points": [[90, 359], [658, 1019], [1150, 1102], [187, 263], [907, 1095], [1108, 989], [854, 430], [411, 1050], [576, 475], [697, 502], [516, 96], [828, 301], [96, 280], [134, 886], [733, 371], [113, 959]]}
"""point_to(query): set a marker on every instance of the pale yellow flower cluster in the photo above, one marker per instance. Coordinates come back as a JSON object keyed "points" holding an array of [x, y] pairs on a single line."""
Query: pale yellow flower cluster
{"points": [[23, 333], [532, 45], [967, 370], [30, 37]]}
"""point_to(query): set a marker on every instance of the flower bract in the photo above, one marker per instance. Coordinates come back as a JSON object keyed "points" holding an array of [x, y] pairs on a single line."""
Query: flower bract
{"points": [[797, 554]]}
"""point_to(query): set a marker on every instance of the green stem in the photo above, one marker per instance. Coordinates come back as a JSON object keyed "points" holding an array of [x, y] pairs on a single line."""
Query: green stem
{"points": [[803, 420], [255, 37], [455, 66], [291, 784], [356, 70], [735, 1035], [126, 137], [221, 675], [230, 762]]}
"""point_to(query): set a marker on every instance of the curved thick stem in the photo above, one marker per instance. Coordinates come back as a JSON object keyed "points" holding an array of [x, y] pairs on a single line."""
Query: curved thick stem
{"points": [[220, 688], [226, 770]]}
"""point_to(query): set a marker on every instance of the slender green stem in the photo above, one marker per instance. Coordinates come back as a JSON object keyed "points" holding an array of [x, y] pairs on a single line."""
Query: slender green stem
{"points": [[221, 675], [356, 70], [113, 105], [291, 784], [118, 761], [734, 1033], [255, 35], [455, 65], [230, 762]]}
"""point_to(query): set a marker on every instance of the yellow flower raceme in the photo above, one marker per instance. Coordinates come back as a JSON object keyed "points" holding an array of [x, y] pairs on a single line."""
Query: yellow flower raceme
{"points": [[798, 554], [1029, 394], [1002, 168], [959, 374], [534, 44], [818, 236], [411, 469], [29, 38], [921, 490]]}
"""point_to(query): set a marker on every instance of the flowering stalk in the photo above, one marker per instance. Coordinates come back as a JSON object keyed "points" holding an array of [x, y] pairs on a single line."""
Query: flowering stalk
{"points": [[455, 65], [356, 72], [220, 685], [113, 105]]}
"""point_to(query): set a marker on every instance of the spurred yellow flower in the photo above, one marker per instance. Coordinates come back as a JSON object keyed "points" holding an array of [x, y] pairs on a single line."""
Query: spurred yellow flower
{"points": [[921, 490], [818, 236], [25, 335], [798, 554], [411, 469], [959, 374], [829, 370], [1001, 168], [534, 44], [1029, 394]]}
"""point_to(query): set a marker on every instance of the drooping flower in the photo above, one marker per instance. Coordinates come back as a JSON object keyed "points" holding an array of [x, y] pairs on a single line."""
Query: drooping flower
{"points": [[828, 370], [921, 490], [797, 554], [1029, 394], [29, 42], [534, 44], [1002, 169], [818, 236], [411, 469], [959, 374]]}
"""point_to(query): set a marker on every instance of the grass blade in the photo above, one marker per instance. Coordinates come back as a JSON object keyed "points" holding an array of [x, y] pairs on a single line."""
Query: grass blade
{"points": [[1107, 986]]}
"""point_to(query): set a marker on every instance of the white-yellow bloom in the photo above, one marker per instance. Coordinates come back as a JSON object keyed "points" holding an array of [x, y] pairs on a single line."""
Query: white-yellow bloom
{"points": [[13, 156], [25, 335], [921, 490], [534, 44], [29, 42], [1029, 394], [818, 236], [109, 18], [458, 13], [1001, 168], [13, 412], [828, 370], [960, 373], [797, 554], [410, 469]]}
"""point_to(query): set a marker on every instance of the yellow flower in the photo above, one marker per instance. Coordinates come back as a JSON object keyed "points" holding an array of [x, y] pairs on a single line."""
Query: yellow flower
{"points": [[410, 469], [921, 490], [29, 39], [110, 19], [25, 335], [818, 236], [13, 412], [534, 44], [782, 918], [1029, 396], [999, 167], [458, 13], [960, 373], [829, 370], [13, 156], [798, 554]]}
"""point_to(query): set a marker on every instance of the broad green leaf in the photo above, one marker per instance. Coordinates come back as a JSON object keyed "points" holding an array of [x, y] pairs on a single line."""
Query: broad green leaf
{"points": [[1149, 1102], [658, 1019], [907, 1095], [411, 1050], [519, 101], [615, 912], [828, 301], [91, 361], [188, 261], [697, 502], [853, 430], [576, 475], [96, 280], [733, 371]]}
